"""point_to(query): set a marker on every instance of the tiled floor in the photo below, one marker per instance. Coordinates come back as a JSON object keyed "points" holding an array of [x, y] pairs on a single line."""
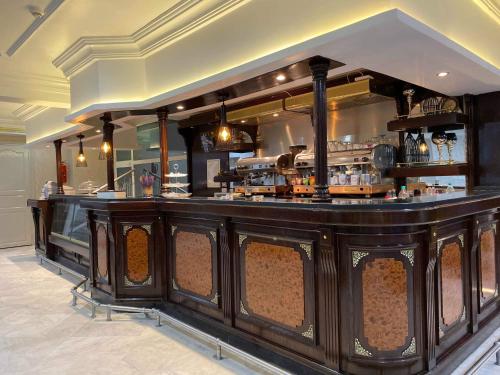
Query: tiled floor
{"points": [[41, 333]]}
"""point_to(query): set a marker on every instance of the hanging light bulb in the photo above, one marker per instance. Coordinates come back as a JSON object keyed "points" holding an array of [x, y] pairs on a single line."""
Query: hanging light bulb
{"points": [[106, 149], [224, 134], [81, 160]]}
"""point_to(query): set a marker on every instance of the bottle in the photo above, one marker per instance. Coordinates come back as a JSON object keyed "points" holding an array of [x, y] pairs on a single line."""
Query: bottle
{"points": [[403, 194], [450, 188]]}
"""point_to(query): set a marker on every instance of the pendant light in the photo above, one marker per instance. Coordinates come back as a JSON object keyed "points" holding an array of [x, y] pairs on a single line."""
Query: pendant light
{"points": [[106, 149], [81, 160], [224, 133]]}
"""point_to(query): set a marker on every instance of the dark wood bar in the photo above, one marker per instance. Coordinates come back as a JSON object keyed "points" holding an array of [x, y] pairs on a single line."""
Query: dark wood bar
{"points": [[371, 288]]}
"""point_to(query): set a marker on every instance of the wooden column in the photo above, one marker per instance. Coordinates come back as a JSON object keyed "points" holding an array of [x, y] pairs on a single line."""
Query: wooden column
{"points": [[58, 145], [162, 114], [319, 69], [107, 131]]}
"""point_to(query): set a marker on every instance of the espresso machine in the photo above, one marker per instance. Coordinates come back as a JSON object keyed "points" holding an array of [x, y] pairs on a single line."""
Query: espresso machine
{"points": [[360, 171], [264, 175]]}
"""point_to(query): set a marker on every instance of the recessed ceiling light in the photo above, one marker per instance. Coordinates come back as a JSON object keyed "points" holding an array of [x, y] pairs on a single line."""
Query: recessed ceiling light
{"points": [[243, 121], [64, 141], [180, 107], [98, 131], [47, 146], [275, 115], [442, 74], [280, 77]]}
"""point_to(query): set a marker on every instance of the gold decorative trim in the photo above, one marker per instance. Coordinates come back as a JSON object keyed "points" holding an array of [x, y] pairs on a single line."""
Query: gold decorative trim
{"points": [[215, 300], [357, 256], [241, 238], [214, 235], [409, 254], [173, 228], [309, 333], [174, 285], [307, 248], [439, 246], [494, 227], [464, 315], [441, 332], [461, 239], [411, 349], [242, 309], [496, 292], [146, 227], [358, 349], [128, 282]]}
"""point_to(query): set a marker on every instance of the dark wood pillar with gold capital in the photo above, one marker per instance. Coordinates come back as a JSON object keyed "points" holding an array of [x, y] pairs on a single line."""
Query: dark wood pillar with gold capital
{"points": [[58, 145], [319, 69], [162, 114], [107, 131]]}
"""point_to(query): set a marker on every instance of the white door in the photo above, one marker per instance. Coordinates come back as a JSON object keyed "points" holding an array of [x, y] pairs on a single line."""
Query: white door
{"points": [[15, 218]]}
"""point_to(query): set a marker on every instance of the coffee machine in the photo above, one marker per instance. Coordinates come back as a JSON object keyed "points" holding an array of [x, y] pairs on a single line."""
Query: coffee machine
{"points": [[358, 171], [264, 175]]}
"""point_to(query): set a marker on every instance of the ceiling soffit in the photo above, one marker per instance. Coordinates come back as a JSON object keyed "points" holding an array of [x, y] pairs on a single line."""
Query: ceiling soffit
{"points": [[28, 111], [156, 34]]}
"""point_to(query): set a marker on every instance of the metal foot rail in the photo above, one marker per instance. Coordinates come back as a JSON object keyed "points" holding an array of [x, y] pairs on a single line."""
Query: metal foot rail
{"points": [[159, 316], [495, 349]]}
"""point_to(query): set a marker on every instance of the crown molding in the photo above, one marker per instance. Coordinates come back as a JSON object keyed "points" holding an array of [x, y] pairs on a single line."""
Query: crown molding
{"points": [[23, 38], [43, 83], [490, 6], [156, 34], [28, 111]]}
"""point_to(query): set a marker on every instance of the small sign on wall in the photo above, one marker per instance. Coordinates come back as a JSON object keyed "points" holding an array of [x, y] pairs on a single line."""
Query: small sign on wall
{"points": [[213, 169]]}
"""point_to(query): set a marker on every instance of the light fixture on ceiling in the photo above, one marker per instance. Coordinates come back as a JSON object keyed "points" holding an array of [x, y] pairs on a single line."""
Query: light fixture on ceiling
{"points": [[442, 74], [36, 11], [224, 135], [81, 160], [280, 77], [98, 131], [47, 146], [180, 107], [243, 121], [275, 115]]}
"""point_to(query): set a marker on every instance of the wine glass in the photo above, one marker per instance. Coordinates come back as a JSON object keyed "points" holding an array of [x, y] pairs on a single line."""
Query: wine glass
{"points": [[409, 98], [451, 141], [439, 139]]}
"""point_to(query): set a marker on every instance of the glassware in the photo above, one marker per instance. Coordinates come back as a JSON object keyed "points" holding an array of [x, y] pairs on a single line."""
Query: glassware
{"points": [[451, 141], [411, 149], [423, 149], [403, 194], [439, 139], [409, 97]]}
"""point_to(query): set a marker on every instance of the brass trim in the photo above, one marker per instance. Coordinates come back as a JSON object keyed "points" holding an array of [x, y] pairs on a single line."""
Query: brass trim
{"points": [[309, 333], [128, 282], [461, 238], [174, 285], [357, 256], [215, 300], [241, 238], [307, 248], [464, 315], [127, 227], [409, 254], [411, 349], [173, 228], [214, 235], [439, 247], [242, 308], [358, 349]]}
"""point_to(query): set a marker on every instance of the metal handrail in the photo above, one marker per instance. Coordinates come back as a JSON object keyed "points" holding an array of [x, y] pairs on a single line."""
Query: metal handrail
{"points": [[495, 349], [116, 180], [161, 316]]}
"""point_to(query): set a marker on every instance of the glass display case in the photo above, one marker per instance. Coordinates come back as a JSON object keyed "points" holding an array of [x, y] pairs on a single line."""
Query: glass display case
{"points": [[70, 222]]}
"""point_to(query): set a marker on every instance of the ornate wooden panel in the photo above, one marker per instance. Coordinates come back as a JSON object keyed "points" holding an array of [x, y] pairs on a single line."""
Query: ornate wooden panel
{"points": [[451, 281], [137, 254], [193, 262], [102, 265], [382, 284], [488, 271], [274, 276], [276, 292], [385, 303]]}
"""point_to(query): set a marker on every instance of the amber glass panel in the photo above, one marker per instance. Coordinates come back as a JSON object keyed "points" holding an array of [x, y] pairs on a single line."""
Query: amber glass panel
{"points": [[137, 255], [274, 283], [451, 283], [385, 303], [488, 270], [102, 252], [193, 262]]}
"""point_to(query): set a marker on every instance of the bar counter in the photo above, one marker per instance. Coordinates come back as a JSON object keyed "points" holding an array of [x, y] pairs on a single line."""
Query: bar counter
{"points": [[364, 286]]}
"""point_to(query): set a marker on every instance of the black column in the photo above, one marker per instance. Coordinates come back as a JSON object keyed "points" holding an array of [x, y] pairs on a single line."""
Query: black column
{"points": [[162, 114], [319, 69], [58, 145], [107, 131]]}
